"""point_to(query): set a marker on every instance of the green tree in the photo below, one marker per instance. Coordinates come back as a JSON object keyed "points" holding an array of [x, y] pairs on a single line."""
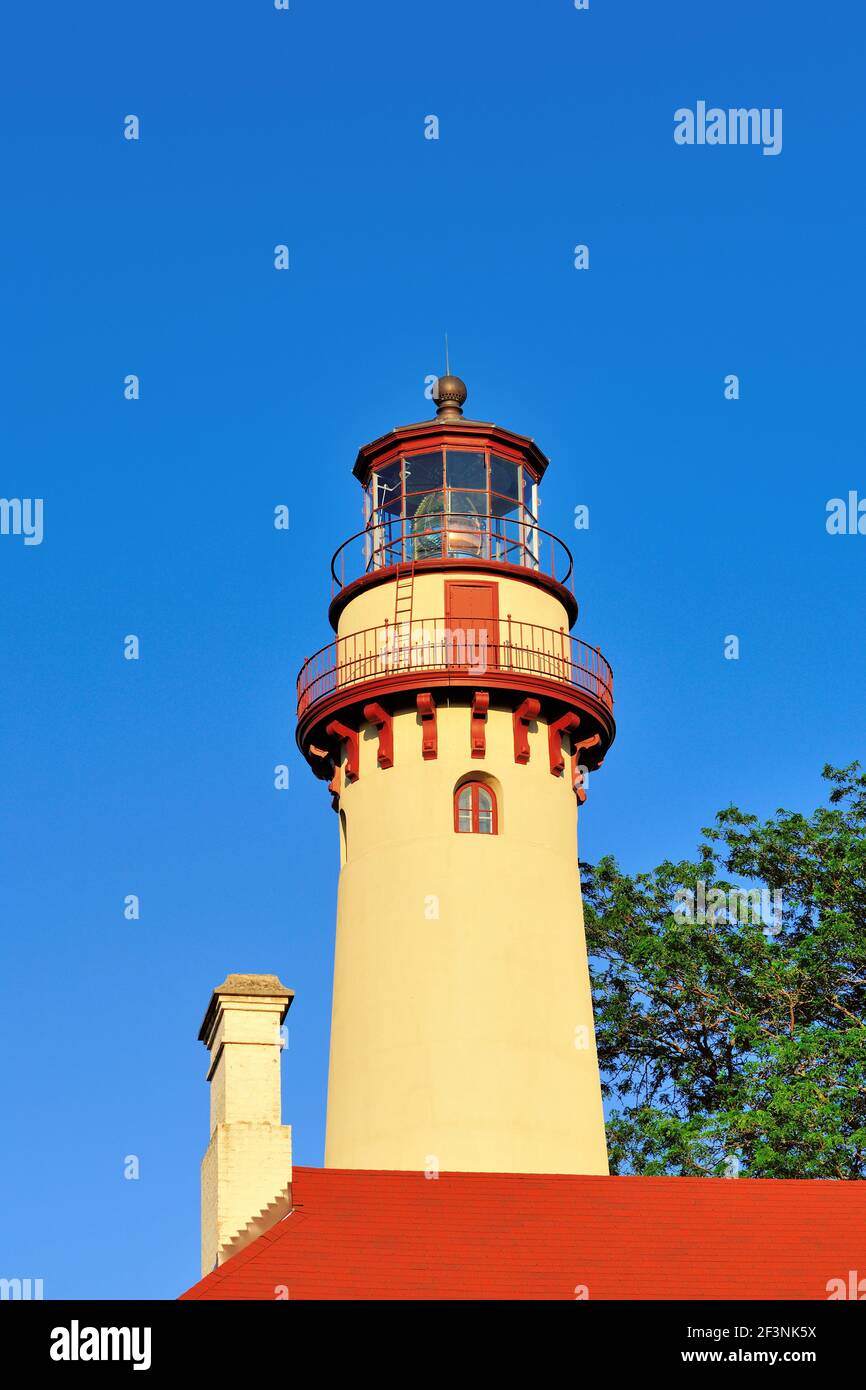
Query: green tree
{"points": [[738, 1045]]}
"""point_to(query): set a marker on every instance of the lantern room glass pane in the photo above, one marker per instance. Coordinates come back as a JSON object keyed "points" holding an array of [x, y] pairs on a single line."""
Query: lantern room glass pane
{"points": [[503, 506], [424, 472], [427, 526], [466, 528], [466, 470], [450, 524], [452, 503], [388, 489], [504, 477], [424, 502]]}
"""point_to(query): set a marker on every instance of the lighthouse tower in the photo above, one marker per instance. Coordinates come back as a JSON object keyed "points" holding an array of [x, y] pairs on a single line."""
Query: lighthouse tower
{"points": [[455, 719]]}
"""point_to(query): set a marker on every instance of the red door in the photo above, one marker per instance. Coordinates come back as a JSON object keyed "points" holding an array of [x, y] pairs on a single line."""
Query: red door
{"points": [[472, 620]]}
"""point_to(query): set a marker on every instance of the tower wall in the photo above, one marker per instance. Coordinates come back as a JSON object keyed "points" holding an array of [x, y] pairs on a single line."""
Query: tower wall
{"points": [[524, 599], [462, 1031]]}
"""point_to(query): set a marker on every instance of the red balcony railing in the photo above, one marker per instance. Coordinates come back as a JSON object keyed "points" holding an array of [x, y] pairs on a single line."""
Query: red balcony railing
{"points": [[430, 645], [452, 536]]}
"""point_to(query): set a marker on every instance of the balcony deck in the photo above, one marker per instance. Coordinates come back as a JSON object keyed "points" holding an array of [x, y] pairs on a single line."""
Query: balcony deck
{"points": [[523, 658]]}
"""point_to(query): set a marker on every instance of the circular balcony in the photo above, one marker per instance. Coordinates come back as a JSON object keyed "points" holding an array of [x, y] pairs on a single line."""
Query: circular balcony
{"points": [[513, 656], [451, 539]]}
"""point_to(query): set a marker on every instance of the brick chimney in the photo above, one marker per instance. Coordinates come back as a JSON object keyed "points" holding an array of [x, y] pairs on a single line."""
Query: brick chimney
{"points": [[246, 1173]]}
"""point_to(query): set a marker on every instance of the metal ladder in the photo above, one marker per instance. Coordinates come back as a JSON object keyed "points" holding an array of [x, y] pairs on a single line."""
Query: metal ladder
{"points": [[403, 597]]}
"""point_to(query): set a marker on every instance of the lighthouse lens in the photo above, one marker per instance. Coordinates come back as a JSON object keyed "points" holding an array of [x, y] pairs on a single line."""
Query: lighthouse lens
{"points": [[447, 523], [428, 526], [464, 527]]}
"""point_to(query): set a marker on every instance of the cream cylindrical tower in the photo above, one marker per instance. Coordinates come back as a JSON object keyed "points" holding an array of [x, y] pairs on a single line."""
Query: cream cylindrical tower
{"points": [[455, 718]]}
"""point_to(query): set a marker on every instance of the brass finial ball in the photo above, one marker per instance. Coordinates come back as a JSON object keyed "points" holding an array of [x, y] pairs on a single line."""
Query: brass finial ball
{"points": [[449, 394]]}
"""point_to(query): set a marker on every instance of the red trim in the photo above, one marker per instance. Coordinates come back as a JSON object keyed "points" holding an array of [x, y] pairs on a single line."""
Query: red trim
{"points": [[457, 444], [435, 434], [385, 726], [576, 774], [475, 808], [577, 781], [521, 719], [426, 707], [565, 725], [478, 723], [339, 731], [554, 694]]}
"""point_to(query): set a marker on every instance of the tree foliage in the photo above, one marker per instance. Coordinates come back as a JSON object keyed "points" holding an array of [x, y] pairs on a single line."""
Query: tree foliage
{"points": [[729, 1045]]}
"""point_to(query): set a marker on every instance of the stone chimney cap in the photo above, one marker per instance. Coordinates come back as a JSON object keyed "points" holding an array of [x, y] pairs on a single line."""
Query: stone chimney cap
{"points": [[249, 986], [254, 984]]}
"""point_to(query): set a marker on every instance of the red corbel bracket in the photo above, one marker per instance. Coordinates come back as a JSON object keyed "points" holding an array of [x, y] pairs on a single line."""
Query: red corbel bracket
{"points": [[321, 762], [478, 723], [523, 717], [385, 726], [565, 725], [337, 730], [426, 707], [576, 773]]}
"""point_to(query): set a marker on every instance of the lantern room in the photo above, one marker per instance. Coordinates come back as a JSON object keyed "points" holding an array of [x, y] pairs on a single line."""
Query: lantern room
{"points": [[450, 502], [450, 490]]}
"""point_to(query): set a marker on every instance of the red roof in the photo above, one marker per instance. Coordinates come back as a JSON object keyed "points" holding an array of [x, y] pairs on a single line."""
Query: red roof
{"points": [[357, 1234]]}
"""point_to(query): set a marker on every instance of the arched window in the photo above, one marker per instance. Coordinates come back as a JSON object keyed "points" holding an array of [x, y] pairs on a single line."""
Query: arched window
{"points": [[475, 809]]}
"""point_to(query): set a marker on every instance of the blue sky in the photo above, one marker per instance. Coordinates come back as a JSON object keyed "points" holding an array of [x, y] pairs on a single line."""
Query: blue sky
{"points": [[155, 257]]}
